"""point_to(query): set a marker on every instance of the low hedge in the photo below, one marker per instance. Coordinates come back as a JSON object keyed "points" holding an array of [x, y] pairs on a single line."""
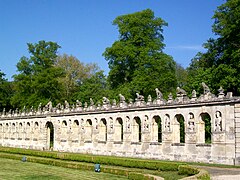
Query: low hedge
{"points": [[108, 160], [187, 170], [66, 164], [139, 176], [190, 171]]}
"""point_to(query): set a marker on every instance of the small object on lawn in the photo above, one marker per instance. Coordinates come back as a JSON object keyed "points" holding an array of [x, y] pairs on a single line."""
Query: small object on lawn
{"points": [[97, 167], [24, 159]]}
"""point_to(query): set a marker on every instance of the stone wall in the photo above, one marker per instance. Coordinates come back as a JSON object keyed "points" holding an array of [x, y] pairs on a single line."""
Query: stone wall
{"points": [[136, 129]]}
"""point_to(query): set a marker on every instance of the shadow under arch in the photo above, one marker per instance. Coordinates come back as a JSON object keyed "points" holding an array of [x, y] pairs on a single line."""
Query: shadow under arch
{"points": [[50, 135], [118, 129], [179, 128], [156, 129], [205, 130]]}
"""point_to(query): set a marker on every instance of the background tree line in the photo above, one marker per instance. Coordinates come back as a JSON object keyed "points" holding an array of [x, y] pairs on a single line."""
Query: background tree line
{"points": [[137, 63]]}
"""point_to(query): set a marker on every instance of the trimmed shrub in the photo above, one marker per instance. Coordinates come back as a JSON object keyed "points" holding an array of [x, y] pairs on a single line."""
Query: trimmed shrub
{"points": [[107, 160], [187, 170]]}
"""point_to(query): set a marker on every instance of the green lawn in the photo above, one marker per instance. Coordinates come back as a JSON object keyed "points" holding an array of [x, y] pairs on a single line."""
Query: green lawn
{"points": [[13, 169]]}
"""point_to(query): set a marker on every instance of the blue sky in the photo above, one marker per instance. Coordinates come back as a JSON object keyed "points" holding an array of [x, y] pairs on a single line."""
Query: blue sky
{"points": [[83, 28]]}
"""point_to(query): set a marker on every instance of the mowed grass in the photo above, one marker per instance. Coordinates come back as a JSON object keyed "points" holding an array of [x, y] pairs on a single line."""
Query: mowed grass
{"points": [[14, 169]]}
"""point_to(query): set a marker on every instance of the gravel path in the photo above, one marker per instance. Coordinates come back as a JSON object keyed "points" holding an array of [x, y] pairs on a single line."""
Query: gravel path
{"points": [[217, 173]]}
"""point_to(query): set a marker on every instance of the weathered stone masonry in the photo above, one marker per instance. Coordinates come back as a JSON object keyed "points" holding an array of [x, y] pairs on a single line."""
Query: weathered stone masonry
{"points": [[134, 129]]}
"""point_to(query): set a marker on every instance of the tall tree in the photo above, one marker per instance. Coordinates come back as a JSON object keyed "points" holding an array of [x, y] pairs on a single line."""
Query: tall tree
{"points": [[76, 73], [220, 65], [136, 60], [37, 79]]}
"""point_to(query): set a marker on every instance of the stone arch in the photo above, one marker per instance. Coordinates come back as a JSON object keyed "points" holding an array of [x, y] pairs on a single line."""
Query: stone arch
{"points": [[28, 131], [1, 131], [103, 130], [156, 129], [75, 123], [64, 123], [88, 131], [179, 129], [13, 134], [136, 130], [64, 131], [50, 135], [118, 133], [204, 129], [20, 131], [75, 131], [36, 131]]}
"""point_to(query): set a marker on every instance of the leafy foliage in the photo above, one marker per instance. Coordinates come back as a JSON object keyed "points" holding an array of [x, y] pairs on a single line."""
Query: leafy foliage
{"points": [[136, 60], [93, 87], [220, 65], [37, 79], [5, 92], [75, 73]]}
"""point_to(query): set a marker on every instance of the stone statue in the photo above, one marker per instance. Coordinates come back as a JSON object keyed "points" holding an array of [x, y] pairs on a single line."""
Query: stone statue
{"points": [[206, 89], [139, 97], [167, 123], [49, 106], [91, 102], [149, 98], [122, 98], [114, 103], [159, 94], [105, 101], [191, 123], [66, 104], [194, 94], [181, 92], [78, 104], [85, 105], [218, 122], [58, 106], [39, 107]]}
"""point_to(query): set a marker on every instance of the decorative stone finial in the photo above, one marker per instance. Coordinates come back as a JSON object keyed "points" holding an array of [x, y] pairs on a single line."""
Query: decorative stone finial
{"points": [[221, 92]]}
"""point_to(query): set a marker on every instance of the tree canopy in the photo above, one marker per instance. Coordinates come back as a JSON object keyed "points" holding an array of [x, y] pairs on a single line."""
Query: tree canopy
{"points": [[220, 65], [37, 79], [137, 63], [136, 60]]}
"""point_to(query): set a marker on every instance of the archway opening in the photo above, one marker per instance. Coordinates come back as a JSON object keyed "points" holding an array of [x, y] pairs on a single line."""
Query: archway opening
{"points": [[103, 130], [137, 130], [206, 122], [157, 129], [50, 135], [119, 129], [88, 131], [181, 127]]}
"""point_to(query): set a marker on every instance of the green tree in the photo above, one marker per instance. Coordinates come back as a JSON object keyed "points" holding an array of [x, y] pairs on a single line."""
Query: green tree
{"points": [[76, 73], [94, 87], [5, 92], [220, 65], [37, 80], [136, 61]]}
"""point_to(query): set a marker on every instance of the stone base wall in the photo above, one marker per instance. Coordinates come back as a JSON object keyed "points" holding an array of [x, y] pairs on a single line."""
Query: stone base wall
{"points": [[141, 132]]}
